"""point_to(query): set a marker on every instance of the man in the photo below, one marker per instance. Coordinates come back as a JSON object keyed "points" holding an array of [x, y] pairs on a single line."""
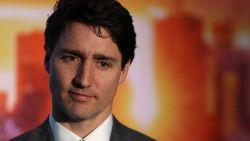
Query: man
{"points": [[89, 46]]}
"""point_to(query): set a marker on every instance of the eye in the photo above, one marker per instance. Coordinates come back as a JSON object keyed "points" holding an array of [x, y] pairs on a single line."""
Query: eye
{"points": [[103, 65], [69, 58]]}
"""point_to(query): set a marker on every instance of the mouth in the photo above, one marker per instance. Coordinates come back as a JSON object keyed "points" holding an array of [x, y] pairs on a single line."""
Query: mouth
{"points": [[80, 97]]}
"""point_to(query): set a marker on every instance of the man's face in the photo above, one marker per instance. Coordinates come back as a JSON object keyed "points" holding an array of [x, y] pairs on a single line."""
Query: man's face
{"points": [[84, 71]]}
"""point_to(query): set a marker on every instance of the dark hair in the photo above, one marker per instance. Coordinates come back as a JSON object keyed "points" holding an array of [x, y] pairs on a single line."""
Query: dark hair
{"points": [[109, 14]]}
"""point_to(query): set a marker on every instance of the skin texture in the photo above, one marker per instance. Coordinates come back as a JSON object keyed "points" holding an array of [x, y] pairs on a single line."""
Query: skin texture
{"points": [[84, 72]]}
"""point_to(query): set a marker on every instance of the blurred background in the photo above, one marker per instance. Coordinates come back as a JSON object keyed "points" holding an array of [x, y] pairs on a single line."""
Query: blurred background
{"points": [[190, 80]]}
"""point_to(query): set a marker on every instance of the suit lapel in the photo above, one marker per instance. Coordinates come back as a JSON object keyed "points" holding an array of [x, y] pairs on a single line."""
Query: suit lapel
{"points": [[42, 133], [115, 132]]}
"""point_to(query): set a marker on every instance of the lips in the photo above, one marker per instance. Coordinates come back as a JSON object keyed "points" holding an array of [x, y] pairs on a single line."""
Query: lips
{"points": [[80, 96]]}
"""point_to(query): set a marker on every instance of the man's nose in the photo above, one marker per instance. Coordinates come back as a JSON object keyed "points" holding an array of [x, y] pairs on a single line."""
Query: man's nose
{"points": [[84, 76]]}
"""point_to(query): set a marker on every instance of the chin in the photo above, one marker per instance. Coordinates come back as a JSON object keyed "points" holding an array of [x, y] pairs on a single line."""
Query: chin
{"points": [[77, 116]]}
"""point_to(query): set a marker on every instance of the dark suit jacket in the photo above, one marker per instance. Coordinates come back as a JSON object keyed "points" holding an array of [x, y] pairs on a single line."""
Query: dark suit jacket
{"points": [[119, 133]]}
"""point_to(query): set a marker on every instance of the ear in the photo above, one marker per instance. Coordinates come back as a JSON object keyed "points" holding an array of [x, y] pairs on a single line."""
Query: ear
{"points": [[124, 72], [46, 65]]}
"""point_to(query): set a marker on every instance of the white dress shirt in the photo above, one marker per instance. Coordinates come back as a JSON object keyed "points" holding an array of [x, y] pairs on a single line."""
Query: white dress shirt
{"points": [[101, 133]]}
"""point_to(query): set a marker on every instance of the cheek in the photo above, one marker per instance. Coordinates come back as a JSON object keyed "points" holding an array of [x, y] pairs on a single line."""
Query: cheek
{"points": [[60, 79], [107, 84]]}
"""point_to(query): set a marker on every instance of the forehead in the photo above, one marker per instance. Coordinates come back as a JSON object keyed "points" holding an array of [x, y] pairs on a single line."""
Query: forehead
{"points": [[88, 39]]}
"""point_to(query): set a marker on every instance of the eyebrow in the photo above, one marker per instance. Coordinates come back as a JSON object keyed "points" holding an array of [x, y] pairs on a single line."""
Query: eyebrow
{"points": [[95, 56], [104, 58], [75, 52]]}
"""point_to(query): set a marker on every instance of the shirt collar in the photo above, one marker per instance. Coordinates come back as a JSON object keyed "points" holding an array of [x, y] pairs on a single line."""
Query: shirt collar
{"points": [[102, 132]]}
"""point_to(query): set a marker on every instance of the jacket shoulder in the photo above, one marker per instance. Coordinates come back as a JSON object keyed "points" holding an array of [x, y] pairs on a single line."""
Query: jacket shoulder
{"points": [[123, 133], [40, 133]]}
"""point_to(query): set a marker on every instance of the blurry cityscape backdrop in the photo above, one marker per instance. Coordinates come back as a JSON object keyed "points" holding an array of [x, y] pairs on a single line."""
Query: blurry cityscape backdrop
{"points": [[190, 80]]}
